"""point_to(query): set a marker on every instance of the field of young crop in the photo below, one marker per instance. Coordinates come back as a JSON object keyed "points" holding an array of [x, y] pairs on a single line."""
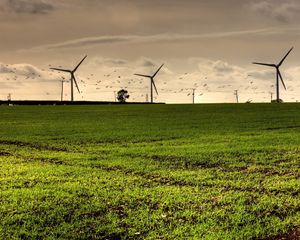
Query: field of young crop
{"points": [[150, 172]]}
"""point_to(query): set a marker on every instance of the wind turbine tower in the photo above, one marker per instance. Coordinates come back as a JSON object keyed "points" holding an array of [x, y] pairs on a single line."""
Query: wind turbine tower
{"points": [[62, 90]]}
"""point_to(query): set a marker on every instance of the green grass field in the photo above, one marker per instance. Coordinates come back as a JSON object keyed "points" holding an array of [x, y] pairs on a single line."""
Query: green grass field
{"points": [[149, 171]]}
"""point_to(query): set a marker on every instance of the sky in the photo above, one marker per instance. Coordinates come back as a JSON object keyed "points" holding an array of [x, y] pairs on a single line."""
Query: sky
{"points": [[206, 45]]}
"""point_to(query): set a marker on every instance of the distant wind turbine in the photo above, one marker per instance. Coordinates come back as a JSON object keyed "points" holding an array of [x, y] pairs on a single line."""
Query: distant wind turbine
{"points": [[73, 79], [278, 73], [152, 82]]}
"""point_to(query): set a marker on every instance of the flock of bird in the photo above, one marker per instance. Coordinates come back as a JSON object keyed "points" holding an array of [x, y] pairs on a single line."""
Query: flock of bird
{"points": [[114, 80]]}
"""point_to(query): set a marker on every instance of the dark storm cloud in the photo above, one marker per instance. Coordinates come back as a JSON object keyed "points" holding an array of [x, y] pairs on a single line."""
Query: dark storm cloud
{"points": [[27, 6], [281, 11]]}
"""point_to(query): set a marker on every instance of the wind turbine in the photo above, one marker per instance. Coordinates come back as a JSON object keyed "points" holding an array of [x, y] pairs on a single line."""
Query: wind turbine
{"points": [[278, 73], [152, 83], [73, 79]]}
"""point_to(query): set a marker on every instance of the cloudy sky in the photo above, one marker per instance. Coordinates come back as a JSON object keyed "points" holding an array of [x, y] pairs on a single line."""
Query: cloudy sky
{"points": [[205, 44]]}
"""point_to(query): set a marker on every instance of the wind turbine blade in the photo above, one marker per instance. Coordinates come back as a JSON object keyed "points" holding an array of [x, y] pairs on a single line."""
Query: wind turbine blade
{"points": [[157, 71], [154, 86], [141, 75], [265, 64], [279, 73], [61, 70], [73, 76], [75, 69], [285, 57]]}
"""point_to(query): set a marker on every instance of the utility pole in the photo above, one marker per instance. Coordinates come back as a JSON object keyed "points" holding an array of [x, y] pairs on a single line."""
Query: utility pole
{"points": [[193, 95], [271, 96], [115, 96], [62, 91], [236, 93]]}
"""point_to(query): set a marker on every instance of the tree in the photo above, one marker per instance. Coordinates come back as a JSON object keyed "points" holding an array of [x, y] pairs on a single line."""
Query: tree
{"points": [[122, 96]]}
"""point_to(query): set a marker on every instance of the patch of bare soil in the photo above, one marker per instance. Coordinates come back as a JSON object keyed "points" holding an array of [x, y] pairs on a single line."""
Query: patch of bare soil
{"points": [[5, 154], [292, 235], [32, 145]]}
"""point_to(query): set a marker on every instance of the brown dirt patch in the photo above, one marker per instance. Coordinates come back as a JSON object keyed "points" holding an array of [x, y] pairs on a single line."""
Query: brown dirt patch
{"points": [[292, 235]]}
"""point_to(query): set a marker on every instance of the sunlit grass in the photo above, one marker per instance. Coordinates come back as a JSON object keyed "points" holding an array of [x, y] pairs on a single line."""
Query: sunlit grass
{"points": [[149, 172]]}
